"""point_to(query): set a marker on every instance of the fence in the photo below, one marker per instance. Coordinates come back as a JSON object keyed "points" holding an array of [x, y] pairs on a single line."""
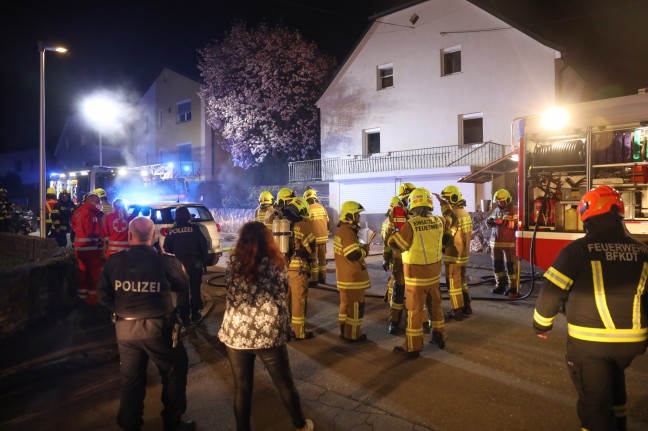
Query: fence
{"points": [[424, 158]]}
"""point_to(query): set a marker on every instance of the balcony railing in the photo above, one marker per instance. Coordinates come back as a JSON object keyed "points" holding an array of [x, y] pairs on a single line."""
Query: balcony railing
{"points": [[476, 155]]}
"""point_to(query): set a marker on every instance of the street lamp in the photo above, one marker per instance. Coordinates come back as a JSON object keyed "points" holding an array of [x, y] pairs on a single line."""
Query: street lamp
{"points": [[43, 186], [102, 111]]}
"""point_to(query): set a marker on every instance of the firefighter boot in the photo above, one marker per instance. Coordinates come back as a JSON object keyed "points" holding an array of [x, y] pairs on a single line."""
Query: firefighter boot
{"points": [[467, 309], [454, 314], [438, 338], [512, 293], [402, 352], [500, 288], [393, 328]]}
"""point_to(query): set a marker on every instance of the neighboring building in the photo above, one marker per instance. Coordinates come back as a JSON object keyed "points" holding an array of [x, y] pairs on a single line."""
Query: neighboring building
{"points": [[25, 164], [426, 96]]}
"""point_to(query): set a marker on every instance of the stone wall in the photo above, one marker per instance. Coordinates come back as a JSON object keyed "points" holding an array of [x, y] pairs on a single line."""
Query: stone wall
{"points": [[40, 289]]}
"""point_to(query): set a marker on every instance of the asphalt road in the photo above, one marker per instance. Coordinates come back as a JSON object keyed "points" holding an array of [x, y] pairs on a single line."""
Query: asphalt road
{"points": [[494, 374]]}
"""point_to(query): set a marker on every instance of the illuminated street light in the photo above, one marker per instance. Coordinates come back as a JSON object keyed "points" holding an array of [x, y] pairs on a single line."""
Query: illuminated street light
{"points": [[43, 187], [102, 112]]}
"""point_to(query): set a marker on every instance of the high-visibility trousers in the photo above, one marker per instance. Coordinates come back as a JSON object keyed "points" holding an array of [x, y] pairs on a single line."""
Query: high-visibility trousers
{"points": [[90, 264], [397, 294], [457, 285], [505, 263], [352, 305], [318, 267], [298, 288], [419, 294]]}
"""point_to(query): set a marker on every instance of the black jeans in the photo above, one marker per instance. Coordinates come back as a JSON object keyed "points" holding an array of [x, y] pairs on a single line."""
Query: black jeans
{"points": [[276, 362]]}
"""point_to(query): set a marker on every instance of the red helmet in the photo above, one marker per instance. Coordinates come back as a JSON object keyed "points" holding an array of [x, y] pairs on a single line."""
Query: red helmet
{"points": [[599, 200]]}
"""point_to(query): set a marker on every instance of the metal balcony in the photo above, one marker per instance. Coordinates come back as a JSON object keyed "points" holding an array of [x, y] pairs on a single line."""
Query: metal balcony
{"points": [[476, 156]]}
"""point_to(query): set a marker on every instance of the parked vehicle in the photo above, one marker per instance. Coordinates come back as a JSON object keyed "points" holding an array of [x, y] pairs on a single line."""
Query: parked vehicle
{"points": [[163, 215], [23, 221]]}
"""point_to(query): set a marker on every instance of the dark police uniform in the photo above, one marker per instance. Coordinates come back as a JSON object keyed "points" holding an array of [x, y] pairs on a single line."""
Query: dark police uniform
{"points": [[188, 243], [61, 218], [602, 279], [137, 284]]}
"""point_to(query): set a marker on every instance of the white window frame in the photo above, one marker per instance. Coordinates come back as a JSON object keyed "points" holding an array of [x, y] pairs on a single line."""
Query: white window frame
{"points": [[365, 140], [385, 79], [184, 117], [462, 120], [448, 51]]}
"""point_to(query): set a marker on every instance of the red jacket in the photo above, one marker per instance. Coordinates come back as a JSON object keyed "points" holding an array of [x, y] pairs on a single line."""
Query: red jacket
{"points": [[86, 223], [115, 231]]}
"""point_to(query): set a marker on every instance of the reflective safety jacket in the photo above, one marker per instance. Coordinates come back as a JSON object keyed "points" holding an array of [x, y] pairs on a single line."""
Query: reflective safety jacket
{"points": [[320, 221], [399, 217], [115, 232], [304, 246], [457, 251], [504, 224], [62, 215], [420, 240], [50, 205], [602, 279], [350, 268], [6, 207], [86, 223], [260, 214]]}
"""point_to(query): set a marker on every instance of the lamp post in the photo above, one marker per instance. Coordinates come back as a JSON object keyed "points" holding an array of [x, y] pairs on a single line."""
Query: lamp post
{"points": [[43, 181]]}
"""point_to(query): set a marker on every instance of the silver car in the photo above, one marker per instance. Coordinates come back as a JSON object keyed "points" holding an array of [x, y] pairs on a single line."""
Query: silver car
{"points": [[163, 215]]}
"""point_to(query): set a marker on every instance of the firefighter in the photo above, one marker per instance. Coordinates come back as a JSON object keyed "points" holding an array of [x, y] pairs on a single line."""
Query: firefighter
{"points": [[320, 222], [105, 205], [392, 259], [503, 224], [266, 202], [420, 240], [188, 243], [404, 191], [50, 204], [600, 280], [138, 286], [351, 272], [115, 228], [61, 217], [88, 246], [456, 252], [299, 264], [284, 197], [6, 208]]}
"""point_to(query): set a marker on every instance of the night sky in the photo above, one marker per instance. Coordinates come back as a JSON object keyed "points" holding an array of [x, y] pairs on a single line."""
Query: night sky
{"points": [[126, 44]]}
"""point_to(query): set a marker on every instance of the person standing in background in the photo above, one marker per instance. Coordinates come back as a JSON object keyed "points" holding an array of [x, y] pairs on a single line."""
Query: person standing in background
{"points": [[115, 229], [320, 221], [503, 224], [88, 246]]}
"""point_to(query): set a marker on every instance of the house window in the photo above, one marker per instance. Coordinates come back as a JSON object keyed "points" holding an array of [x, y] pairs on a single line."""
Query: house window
{"points": [[385, 76], [451, 60], [471, 128], [184, 152], [372, 141], [184, 111]]}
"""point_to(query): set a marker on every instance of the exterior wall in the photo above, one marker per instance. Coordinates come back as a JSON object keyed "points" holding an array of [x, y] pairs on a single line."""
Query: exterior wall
{"points": [[505, 74], [24, 163]]}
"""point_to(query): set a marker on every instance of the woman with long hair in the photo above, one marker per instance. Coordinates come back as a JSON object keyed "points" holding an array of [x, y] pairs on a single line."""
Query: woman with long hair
{"points": [[257, 322]]}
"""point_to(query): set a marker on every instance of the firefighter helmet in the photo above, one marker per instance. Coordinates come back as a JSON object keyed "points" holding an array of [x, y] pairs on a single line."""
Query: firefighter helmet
{"points": [[51, 191], [420, 197], [395, 202], [452, 194], [311, 194], [266, 198], [502, 197], [285, 196], [301, 205], [100, 192], [405, 189], [600, 200], [349, 210]]}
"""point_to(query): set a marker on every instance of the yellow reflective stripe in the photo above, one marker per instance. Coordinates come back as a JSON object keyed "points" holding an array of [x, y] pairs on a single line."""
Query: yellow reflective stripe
{"points": [[599, 295], [459, 260], [321, 239], [603, 335], [354, 284], [350, 249], [558, 278], [400, 242], [636, 305], [422, 281], [502, 244], [541, 320], [620, 411]]}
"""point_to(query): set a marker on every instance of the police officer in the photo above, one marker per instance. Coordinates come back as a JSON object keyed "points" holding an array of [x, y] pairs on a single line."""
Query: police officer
{"points": [[187, 242], [600, 280], [137, 285]]}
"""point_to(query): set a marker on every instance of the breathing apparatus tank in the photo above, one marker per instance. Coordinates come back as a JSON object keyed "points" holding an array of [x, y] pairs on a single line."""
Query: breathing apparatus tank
{"points": [[281, 233]]}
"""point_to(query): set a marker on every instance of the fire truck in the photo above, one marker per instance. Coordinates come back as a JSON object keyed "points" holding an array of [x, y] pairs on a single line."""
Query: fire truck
{"points": [[135, 184], [604, 142]]}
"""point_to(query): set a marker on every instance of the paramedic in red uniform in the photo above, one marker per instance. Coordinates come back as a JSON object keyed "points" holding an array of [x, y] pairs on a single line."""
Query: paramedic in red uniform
{"points": [[88, 246], [600, 280], [115, 228]]}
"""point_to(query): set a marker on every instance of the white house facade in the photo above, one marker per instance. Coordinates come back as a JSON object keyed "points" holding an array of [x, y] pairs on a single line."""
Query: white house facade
{"points": [[436, 80]]}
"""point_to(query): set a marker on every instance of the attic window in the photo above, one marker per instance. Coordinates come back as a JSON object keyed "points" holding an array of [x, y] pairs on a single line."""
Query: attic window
{"points": [[451, 60], [184, 111], [385, 76]]}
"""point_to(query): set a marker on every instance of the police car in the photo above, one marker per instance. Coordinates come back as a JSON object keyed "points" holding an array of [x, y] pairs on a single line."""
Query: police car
{"points": [[163, 215]]}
